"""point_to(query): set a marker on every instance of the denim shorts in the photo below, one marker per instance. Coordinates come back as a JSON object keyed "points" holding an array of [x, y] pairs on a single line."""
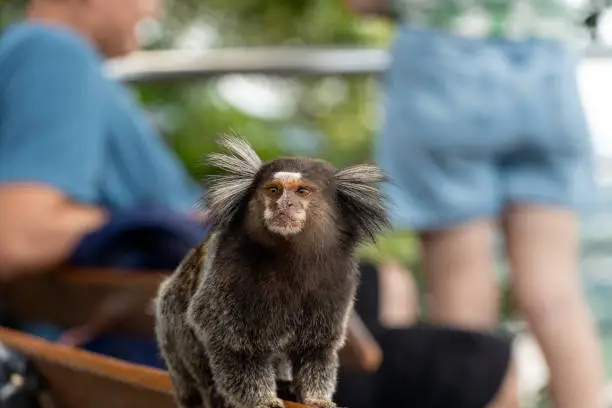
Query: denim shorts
{"points": [[474, 124]]}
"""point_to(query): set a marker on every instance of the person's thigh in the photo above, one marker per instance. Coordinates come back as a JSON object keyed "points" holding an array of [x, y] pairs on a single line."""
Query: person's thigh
{"points": [[429, 194], [462, 289], [549, 181]]}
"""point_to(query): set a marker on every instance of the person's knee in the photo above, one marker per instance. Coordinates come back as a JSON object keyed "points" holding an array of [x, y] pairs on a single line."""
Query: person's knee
{"points": [[543, 250], [548, 302]]}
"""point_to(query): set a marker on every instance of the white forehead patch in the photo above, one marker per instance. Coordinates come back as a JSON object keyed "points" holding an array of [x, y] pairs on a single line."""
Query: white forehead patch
{"points": [[287, 175]]}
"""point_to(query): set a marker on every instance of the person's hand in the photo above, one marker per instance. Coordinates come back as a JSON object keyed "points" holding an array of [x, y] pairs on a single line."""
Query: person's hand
{"points": [[79, 336], [40, 226], [109, 314]]}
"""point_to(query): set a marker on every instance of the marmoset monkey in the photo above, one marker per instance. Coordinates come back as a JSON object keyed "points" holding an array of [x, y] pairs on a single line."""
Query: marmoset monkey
{"points": [[274, 282]]}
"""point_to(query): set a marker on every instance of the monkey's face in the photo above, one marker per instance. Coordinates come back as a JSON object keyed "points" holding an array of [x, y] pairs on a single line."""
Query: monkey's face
{"points": [[286, 198], [304, 198]]}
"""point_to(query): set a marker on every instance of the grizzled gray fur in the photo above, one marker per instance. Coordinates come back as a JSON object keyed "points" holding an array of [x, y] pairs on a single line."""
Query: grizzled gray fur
{"points": [[272, 287]]}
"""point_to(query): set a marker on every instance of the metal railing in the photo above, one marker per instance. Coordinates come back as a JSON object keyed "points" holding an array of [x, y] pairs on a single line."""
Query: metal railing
{"points": [[168, 65]]}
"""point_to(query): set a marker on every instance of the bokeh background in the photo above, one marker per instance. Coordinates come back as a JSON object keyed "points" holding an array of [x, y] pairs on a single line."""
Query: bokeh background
{"points": [[334, 117]]}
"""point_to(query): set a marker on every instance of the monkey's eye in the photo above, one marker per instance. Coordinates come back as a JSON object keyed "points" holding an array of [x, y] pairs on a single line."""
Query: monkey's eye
{"points": [[303, 191], [273, 190]]}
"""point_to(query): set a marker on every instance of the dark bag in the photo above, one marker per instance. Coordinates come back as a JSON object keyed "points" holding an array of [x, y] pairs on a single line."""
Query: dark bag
{"points": [[145, 237], [433, 366], [21, 386]]}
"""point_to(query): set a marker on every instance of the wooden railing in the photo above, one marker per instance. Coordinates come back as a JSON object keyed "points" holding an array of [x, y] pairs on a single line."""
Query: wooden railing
{"points": [[113, 300], [179, 65], [80, 379]]}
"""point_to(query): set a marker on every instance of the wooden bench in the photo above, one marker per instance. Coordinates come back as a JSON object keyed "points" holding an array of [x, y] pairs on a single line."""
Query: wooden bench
{"points": [[79, 379], [120, 300]]}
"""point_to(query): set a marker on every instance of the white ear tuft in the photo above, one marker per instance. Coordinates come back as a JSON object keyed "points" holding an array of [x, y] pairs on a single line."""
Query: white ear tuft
{"points": [[360, 197], [240, 160], [227, 192]]}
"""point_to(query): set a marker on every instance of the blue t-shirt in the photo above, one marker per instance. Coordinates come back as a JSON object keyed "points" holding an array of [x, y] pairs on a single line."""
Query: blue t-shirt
{"points": [[64, 123]]}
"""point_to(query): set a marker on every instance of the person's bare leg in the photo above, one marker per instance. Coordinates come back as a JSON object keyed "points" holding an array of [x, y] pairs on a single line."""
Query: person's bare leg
{"points": [[459, 269], [398, 294], [462, 290], [543, 252]]}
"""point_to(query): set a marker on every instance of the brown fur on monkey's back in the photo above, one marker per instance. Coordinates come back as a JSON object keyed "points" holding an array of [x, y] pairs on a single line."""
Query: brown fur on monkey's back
{"points": [[192, 268], [185, 279], [173, 299], [175, 336]]}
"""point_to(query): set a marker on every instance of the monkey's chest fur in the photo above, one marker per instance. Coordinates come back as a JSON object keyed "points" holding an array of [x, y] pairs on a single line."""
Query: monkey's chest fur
{"points": [[261, 302]]}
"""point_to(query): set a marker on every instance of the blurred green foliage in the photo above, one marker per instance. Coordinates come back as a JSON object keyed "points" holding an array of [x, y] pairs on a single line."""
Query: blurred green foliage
{"points": [[336, 113], [10, 10]]}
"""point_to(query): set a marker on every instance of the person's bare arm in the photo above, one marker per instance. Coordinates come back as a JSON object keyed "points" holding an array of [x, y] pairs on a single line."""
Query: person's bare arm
{"points": [[40, 227], [52, 153]]}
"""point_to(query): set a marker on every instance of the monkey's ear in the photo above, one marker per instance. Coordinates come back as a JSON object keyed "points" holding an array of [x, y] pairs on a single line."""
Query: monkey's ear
{"points": [[359, 195], [241, 159], [227, 192]]}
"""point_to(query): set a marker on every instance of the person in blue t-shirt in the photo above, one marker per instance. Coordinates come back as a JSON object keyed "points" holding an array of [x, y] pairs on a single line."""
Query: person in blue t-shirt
{"points": [[74, 146]]}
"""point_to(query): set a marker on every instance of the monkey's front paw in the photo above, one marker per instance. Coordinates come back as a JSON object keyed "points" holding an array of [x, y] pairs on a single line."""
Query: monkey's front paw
{"points": [[318, 403], [274, 403]]}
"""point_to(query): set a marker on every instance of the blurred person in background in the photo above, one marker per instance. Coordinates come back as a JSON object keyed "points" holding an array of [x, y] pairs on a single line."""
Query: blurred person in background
{"points": [[85, 179], [484, 127], [75, 147]]}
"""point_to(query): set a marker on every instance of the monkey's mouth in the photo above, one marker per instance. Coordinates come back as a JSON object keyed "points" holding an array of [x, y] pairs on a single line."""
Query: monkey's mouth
{"points": [[285, 224]]}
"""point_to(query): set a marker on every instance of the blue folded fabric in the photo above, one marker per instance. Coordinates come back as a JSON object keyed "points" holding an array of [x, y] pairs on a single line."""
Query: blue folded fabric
{"points": [[145, 237]]}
